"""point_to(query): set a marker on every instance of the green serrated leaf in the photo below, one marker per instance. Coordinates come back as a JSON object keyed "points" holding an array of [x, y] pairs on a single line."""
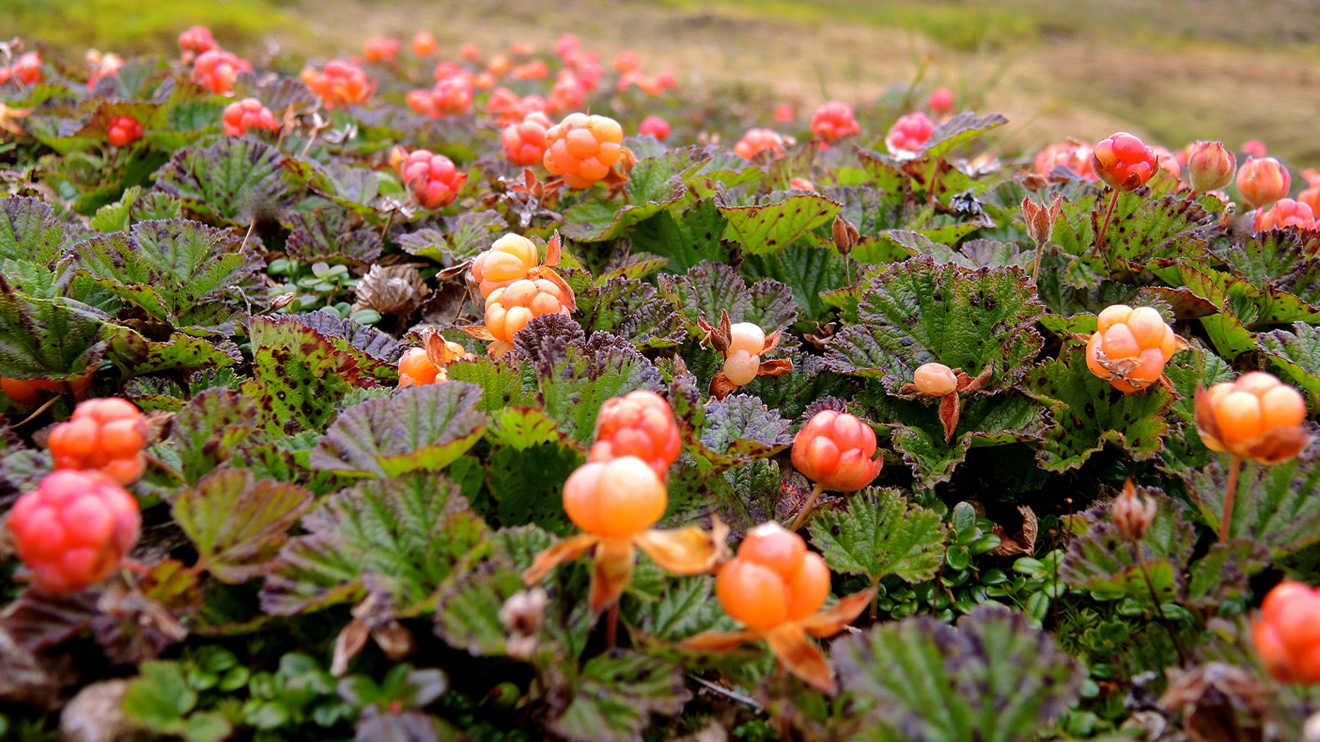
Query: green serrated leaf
{"points": [[28, 231], [238, 523], [632, 310], [686, 607], [961, 128], [159, 698], [527, 484], [209, 427], [709, 289], [919, 312], [1100, 560], [332, 236], [927, 681], [135, 354], [55, 339], [1222, 573], [768, 228], [685, 237], [737, 430], [1088, 412], [881, 534], [1275, 505], [1296, 353], [424, 427], [234, 180], [467, 614], [616, 695], [300, 375], [407, 533]]}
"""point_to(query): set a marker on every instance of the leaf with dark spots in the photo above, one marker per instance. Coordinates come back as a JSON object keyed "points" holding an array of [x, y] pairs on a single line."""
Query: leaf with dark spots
{"points": [[209, 427], [29, 231], [135, 354], [236, 180], [768, 228], [300, 375], [55, 339], [376, 353], [419, 427], [737, 430], [407, 533], [1296, 354], [328, 235], [631, 310]]}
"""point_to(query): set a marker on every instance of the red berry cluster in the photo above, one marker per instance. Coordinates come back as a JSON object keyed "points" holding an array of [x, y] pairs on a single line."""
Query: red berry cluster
{"points": [[107, 435], [639, 424], [834, 121], [248, 114], [123, 131], [217, 69], [909, 133], [74, 529], [1287, 633], [339, 84], [432, 179], [836, 451]]}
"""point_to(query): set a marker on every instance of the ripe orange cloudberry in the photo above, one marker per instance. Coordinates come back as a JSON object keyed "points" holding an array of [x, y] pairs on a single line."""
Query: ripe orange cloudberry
{"points": [[247, 114], [340, 83], [583, 149], [1262, 181], [617, 498], [1123, 161], [1286, 633], [525, 143], [935, 379], [836, 451], [423, 44], [833, 121], [123, 131], [639, 424], [510, 258], [106, 435], [1074, 155], [756, 141], [428, 365], [534, 70], [432, 179], [909, 133], [216, 70], [510, 308], [1130, 347], [74, 529], [773, 579], [30, 392], [381, 49], [1255, 417]]}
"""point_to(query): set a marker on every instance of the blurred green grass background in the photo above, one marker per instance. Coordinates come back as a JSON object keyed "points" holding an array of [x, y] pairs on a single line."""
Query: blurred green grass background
{"points": [[1174, 70]]}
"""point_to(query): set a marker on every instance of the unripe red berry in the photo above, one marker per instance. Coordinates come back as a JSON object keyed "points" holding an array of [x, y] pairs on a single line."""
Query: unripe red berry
{"points": [[1123, 161], [217, 69], [123, 131], [423, 44], [107, 434], [941, 102], [381, 49], [756, 141], [247, 114], [1286, 634], [836, 451], [833, 121], [74, 529], [197, 39], [525, 143], [432, 179], [909, 133], [639, 424], [1286, 213], [655, 126], [339, 84], [1075, 156]]}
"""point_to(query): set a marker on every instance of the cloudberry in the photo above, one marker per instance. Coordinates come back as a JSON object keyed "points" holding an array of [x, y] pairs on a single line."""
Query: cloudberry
{"points": [[833, 121], [756, 141], [74, 529], [381, 49], [1255, 417], [484, 80], [742, 360], [639, 424], [773, 579], [1166, 161], [452, 96], [1130, 347], [470, 51], [26, 69], [568, 93], [1286, 634], [103, 65], [616, 499], [534, 70], [108, 435], [935, 379], [627, 61], [941, 102], [1262, 181], [247, 114], [524, 143], [836, 451], [216, 70], [1254, 147], [510, 308], [909, 133], [1210, 166], [417, 367], [1286, 213], [583, 149], [28, 392], [197, 39], [123, 131], [509, 259], [1311, 194], [432, 179], [423, 44], [1123, 161], [339, 84], [655, 126], [420, 101], [567, 47], [801, 184], [1076, 156]]}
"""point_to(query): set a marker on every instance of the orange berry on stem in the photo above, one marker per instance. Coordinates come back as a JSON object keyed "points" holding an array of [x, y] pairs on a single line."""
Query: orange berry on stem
{"points": [[935, 379], [639, 424], [616, 499], [836, 451]]}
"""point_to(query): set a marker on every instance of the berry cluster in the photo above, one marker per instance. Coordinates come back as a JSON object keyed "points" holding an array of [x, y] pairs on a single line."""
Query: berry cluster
{"points": [[1262, 181], [756, 141], [74, 529], [106, 435], [834, 121], [432, 179], [909, 133], [742, 360], [197, 40], [216, 70], [1255, 417], [511, 258], [247, 114], [1286, 213], [339, 84], [1287, 633], [1074, 155], [1130, 347], [123, 131], [618, 498], [422, 366], [773, 579], [381, 49], [837, 452], [1123, 161], [510, 308], [584, 149], [525, 142], [26, 69], [639, 424]]}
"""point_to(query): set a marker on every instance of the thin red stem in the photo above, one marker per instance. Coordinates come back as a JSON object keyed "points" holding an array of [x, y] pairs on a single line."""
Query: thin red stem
{"points": [[1099, 238], [807, 506], [1234, 467], [612, 626]]}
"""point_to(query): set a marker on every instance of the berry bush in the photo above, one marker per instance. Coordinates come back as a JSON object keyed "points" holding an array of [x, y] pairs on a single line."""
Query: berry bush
{"points": [[512, 395]]}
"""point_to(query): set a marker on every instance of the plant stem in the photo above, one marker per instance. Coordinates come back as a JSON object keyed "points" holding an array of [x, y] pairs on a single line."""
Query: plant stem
{"points": [[1035, 266], [1234, 467], [1105, 226], [805, 512], [612, 626], [1159, 608]]}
